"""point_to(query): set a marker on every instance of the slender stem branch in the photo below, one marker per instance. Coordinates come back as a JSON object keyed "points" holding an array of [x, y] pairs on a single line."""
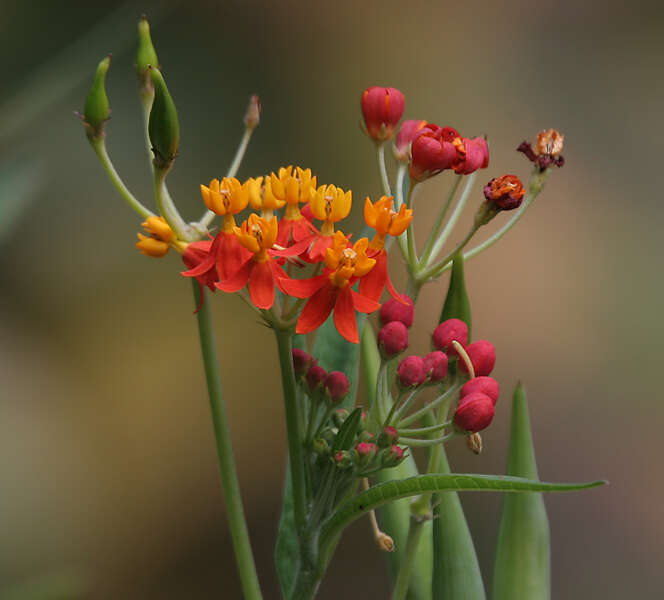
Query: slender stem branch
{"points": [[398, 201], [418, 443], [167, 209], [431, 406], [295, 451], [406, 405], [232, 170], [426, 253], [410, 232], [99, 146], [425, 430], [147, 97], [438, 268], [403, 577], [384, 180], [454, 217], [231, 486]]}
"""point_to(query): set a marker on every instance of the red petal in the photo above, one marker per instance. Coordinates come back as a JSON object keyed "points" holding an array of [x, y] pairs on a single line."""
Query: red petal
{"points": [[230, 255], [302, 229], [293, 250], [261, 285], [278, 274], [239, 279], [317, 310], [302, 288], [364, 304], [344, 316], [373, 283]]}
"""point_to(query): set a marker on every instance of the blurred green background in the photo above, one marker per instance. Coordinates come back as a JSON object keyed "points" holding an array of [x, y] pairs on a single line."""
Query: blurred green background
{"points": [[109, 482]]}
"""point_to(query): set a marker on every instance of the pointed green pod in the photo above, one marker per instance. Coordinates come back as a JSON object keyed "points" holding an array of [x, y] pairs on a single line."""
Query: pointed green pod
{"points": [[522, 570], [146, 55], [163, 127], [457, 304], [97, 111]]}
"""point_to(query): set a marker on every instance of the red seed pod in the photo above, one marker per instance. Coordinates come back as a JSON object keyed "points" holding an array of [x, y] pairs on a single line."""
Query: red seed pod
{"points": [[436, 365], [482, 354], [382, 108], [505, 192], [446, 332], [432, 152], [393, 310], [411, 372], [316, 377], [337, 386], [474, 413], [392, 339], [483, 384], [301, 362]]}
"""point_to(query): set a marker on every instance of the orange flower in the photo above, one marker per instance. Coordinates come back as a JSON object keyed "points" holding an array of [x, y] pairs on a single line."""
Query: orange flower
{"points": [[332, 291], [292, 188], [330, 204]]}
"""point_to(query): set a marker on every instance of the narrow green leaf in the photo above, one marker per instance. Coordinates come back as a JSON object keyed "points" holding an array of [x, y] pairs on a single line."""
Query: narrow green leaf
{"points": [[423, 484], [456, 570], [522, 570], [457, 304], [344, 438]]}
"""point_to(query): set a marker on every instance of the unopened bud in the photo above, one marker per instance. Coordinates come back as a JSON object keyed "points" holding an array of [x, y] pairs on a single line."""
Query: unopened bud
{"points": [[436, 366], [337, 386], [365, 452], [482, 354], [382, 109], [366, 436], [163, 126], [146, 56], [474, 443], [411, 372], [393, 310], [302, 361], [446, 332], [316, 378], [474, 413], [253, 115], [151, 246], [342, 459], [392, 456], [388, 437], [97, 111], [486, 385], [392, 339], [320, 446]]}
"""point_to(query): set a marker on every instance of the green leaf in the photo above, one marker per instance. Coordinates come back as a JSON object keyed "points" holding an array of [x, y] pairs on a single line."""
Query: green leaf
{"points": [[457, 304], [346, 435], [456, 570], [522, 570], [423, 484], [286, 552]]}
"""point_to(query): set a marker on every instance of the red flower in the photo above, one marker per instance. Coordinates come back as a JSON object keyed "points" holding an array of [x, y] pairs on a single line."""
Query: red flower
{"points": [[472, 154], [382, 108], [433, 152], [332, 291]]}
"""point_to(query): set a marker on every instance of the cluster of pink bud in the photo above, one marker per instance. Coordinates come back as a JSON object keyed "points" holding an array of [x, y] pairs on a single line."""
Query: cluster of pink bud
{"points": [[334, 385], [396, 317]]}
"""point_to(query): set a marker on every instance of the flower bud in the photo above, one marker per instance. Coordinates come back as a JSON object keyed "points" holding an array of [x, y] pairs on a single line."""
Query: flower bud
{"points": [[253, 115], [145, 57], [342, 459], [393, 310], [366, 436], [474, 413], [339, 416], [474, 443], [392, 339], [302, 361], [388, 437], [410, 129], [151, 246], [320, 446], [448, 331], [365, 451], [472, 154], [432, 152], [96, 111], [163, 126], [411, 372], [316, 377], [382, 108], [435, 364], [482, 354], [392, 456], [505, 192], [337, 386], [486, 385]]}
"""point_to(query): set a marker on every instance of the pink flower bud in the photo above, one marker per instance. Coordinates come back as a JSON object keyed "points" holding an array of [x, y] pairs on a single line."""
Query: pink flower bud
{"points": [[393, 339], [411, 372], [392, 456], [316, 378], [388, 437], [393, 310], [343, 459], [301, 362], [382, 108], [446, 332], [474, 413], [436, 365], [337, 386], [366, 448], [482, 355], [486, 385]]}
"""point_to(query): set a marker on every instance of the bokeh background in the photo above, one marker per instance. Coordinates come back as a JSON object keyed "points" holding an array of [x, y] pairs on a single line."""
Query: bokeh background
{"points": [[109, 485]]}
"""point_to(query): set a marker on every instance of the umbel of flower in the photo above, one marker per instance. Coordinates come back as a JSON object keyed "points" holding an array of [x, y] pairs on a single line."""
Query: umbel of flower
{"points": [[293, 187], [332, 290], [329, 204], [384, 220]]}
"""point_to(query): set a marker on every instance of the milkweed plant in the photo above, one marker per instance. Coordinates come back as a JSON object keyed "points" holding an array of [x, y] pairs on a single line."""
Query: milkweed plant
{"points": [[280, 243]]}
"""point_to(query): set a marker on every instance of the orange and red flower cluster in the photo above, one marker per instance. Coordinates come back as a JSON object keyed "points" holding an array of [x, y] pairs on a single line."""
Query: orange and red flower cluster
{"points": [[254, 254]]}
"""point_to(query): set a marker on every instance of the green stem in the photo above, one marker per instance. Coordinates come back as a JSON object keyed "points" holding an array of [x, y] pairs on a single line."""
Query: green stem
{"points": [[398, 201], [99, 146], [410, 232], [295, 453], [147, 97], [426, 253], [417, 443], [403, 577], [425, 430], [437, 269], [384, 180], [167, 209], [230, 483], [431, 406]]}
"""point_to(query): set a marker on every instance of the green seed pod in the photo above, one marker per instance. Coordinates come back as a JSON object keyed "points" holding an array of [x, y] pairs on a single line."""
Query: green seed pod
{"points": [[163, 127], [146, 55], [96, 111]]}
